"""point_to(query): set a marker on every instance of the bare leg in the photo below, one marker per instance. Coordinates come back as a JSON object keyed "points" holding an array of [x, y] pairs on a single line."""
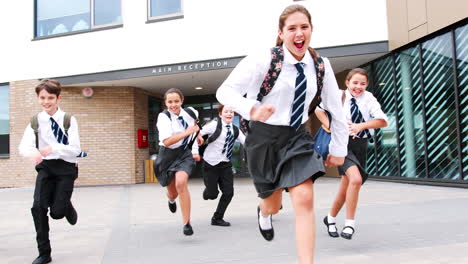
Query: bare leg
{"points": [[271, 204], [340, 197], [181, 185], [171, 191], [302, 197], [352, 193]]}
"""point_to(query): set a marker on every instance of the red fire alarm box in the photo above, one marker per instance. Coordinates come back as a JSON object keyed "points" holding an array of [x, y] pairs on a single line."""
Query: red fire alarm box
{"points": [[142, 138]]}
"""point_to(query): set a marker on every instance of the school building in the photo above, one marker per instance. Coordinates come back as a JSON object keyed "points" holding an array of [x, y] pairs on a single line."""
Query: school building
{"points": [[116, 58]]}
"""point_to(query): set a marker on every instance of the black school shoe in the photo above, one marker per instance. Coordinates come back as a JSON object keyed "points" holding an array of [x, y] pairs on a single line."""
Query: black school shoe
{"points": [[346, 235], [172, 206], [332, 234], [42, 259], [72, 215], [267, 234], [188, 230], [219, 222]]}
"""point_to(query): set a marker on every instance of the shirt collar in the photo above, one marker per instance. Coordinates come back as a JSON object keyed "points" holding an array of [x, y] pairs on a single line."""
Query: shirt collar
{"points": [[225, 124], [45, 116], [289, 58]]}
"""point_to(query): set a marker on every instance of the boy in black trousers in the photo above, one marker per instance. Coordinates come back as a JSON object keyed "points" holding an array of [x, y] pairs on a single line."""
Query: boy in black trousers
{"points": [[51, 141], [217, 166]]}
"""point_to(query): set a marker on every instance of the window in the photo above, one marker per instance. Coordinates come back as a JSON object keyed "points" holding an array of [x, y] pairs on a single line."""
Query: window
{"points": [[4, 120], [162, 9], [54, 17]]}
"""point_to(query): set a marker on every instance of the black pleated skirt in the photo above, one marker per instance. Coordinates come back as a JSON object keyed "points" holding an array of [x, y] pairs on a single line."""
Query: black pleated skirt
{"points": [[170, 161], [279, 157], [357, 156]]}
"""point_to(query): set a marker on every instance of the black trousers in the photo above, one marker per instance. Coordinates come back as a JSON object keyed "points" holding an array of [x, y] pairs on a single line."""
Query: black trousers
{"points": [[54, 188], [220, 174]]}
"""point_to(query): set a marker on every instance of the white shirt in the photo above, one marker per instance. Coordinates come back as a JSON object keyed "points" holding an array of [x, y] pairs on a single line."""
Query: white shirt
{"points": [[46, 138], [247, 77], [368, 105], [214, 151], [171, 127]]}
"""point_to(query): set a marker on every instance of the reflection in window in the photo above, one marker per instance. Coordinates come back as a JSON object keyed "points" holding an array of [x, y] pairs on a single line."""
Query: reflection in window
{"points": [[60, 16], [165, 7], [441, 121], [4, 119], [410, 114]]}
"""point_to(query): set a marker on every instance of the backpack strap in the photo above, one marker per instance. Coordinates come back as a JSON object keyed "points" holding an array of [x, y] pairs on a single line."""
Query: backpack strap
{"points": [[216, 133], [191, 113], [66, 122], [35, 127], [236, 131], [168, 114], [277, 58], [320, 72]]}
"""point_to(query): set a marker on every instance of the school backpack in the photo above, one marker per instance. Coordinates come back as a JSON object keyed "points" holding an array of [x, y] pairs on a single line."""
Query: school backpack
{"points": [[215, 135], [277, 58], [35, 125]]}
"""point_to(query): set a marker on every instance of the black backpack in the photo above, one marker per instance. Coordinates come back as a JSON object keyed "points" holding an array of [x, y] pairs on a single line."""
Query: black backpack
{"points": [[192, 115], [215, 135]]}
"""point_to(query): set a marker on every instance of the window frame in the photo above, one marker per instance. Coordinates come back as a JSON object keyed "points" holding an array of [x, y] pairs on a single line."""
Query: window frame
{"points": [[92, 28], [152, 19]]}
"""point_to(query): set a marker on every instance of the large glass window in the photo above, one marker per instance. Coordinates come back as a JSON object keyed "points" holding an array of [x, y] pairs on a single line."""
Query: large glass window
{"points": [[441, 118], [386, 138], [61, 16], [165, 8], [461, 40], [410, 114], [4, 120]]}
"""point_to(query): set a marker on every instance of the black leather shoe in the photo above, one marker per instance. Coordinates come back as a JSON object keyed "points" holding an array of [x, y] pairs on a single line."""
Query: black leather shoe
{"points": [[42, 259], [267, 234], [172, 206], [188, 230], [72, 216], [332, 234], [346, 235], [219, 222]]}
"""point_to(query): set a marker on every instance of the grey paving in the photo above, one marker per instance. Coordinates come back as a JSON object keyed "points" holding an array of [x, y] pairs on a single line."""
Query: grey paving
{"points": [[396, 223]]}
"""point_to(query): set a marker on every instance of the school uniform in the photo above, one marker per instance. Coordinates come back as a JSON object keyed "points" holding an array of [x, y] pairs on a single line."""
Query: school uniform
{"points": [[178, 156], [56, 173], [357, 146], [217, 166], [278, 155]]}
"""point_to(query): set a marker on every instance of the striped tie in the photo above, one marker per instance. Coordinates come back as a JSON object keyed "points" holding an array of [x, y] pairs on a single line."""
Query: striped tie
{"points": [[356, 117], [185, 125], [299, 97], [61, 137], [229, 143]]}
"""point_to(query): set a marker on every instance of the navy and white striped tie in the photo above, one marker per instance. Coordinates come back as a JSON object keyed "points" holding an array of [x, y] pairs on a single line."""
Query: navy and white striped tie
{"points": [[356, 118], [299, 97], [229, 143], [61, 137], [185, 125]]}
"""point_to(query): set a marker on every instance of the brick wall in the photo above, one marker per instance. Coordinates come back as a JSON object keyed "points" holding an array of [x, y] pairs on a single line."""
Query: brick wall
{"points": [[107, 123]]}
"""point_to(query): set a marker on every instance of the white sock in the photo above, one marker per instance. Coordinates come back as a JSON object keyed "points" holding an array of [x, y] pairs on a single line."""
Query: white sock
{"points": [[172, 201], [265, 222], [331, 220], [349, 222]]}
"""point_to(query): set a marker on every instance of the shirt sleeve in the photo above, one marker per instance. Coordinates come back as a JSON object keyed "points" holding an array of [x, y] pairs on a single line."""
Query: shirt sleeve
{"points": [[164, 126], [246, 78], [375, 110], [209, 128], [331, 98], [241, 137], [73, 148], [28, 142]]}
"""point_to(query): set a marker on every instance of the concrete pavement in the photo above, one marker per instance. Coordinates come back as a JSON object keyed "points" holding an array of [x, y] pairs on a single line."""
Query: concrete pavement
{"points": [[396, 223]]}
